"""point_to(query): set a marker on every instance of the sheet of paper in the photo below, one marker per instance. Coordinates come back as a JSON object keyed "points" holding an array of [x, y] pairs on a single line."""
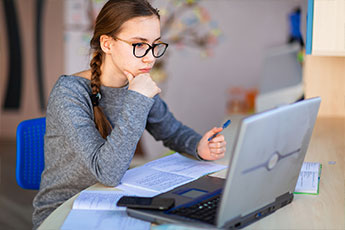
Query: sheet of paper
{"points": [[308, 179], [98, 200], [310, 166], [137, 191], [102, 220], [178, 164], [153, 180]]}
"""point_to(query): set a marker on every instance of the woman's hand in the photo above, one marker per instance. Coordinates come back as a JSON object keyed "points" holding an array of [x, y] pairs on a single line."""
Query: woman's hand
{"points": [[142, 84], [213, 149]]}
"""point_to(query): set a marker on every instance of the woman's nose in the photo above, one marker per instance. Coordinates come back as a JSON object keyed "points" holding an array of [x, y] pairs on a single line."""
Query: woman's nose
{"points": [[149, 58]]}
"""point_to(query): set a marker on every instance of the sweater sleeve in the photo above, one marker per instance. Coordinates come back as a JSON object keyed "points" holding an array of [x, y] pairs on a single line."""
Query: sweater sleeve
{"points": [[107, 159], [162, 125]]}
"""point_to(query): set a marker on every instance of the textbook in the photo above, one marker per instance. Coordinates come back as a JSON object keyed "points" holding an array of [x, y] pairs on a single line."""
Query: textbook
{"points": [[164, 174], [309, 179], [98, 210]]}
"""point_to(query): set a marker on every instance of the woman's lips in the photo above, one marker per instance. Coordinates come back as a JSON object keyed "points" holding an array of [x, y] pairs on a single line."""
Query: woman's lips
{"points": [[145, 70]]}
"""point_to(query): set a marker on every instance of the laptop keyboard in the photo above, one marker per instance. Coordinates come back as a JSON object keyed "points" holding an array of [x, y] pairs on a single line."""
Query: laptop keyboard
{"points": [[204, 211]]}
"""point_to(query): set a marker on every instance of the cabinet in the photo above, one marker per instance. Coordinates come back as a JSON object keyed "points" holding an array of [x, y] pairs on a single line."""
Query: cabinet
{"points": [[324, 69], [325, 77], [326, 28]]}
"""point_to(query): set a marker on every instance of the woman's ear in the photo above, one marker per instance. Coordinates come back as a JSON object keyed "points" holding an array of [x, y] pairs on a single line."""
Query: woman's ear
{"points": [[106, 42]]}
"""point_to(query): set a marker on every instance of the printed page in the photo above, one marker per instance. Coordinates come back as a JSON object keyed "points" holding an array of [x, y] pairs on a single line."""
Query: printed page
{"points": [[153, 180], [137, 191], [308, 180], [98, 200], [101, 220], [178, 164], [98, 210]]}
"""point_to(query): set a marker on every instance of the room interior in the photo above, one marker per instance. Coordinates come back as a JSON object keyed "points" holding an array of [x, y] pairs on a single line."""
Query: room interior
{"points": [[199, 83]]}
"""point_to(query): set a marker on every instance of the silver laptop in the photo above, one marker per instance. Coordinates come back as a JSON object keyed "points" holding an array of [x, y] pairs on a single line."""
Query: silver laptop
{"points": [[261, 177]]}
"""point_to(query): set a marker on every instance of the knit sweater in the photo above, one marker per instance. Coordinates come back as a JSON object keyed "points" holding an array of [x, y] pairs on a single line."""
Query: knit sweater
{"points": [[76, 156]]}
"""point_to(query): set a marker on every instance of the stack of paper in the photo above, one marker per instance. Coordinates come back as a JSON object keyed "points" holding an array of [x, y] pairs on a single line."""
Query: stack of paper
{"points": [[165, 174], [98, 210], [309, 178]]}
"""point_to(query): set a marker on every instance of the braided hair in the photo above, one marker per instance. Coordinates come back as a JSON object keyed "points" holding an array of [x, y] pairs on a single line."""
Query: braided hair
{"points": [[102, 123]]}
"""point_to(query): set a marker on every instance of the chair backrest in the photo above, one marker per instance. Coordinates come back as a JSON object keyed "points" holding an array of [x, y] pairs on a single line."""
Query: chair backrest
{"points": [[30, 152]]}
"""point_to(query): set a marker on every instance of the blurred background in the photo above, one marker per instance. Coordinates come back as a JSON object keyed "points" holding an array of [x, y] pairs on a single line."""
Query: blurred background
{"points": [[226, 57], [219, 53]]}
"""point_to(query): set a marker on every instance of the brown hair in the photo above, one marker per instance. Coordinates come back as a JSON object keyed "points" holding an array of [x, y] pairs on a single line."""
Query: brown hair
{"points": [[108, 22]]}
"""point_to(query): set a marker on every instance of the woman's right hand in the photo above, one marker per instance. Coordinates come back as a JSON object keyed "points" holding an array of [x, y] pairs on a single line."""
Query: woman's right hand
{"points": [[142, 84]]}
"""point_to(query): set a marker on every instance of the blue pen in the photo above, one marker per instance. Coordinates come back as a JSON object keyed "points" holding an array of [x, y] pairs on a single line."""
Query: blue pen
{"points": [[226, 124]]}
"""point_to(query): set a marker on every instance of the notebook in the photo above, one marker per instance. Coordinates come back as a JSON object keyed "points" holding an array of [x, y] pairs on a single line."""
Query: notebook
{"points": [[265, 163]]}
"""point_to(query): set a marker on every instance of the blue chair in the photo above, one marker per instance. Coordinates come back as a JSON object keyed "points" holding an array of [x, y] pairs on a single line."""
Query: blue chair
{"points": [[30, 152]]}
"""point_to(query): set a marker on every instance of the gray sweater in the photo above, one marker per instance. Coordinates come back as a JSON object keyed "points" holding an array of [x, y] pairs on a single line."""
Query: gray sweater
{"points": [[76, 156]]}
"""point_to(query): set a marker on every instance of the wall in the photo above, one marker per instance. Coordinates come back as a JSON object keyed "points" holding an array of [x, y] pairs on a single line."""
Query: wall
{"points": [[52, 61], [196, 87]]}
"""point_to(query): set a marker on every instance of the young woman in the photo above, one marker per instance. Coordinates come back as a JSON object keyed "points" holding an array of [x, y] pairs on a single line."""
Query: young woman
{"points": [[95, 118]]}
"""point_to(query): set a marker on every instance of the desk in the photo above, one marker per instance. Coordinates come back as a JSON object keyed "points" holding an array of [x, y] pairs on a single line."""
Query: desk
{"points": [[324, 211]]}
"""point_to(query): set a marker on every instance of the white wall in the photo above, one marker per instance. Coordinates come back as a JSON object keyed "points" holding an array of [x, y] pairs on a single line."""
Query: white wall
{"points": [[196, 88]]}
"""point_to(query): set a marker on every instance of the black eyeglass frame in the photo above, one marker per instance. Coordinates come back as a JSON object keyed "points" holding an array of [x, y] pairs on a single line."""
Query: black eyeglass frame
{"points": [[151, 47]]}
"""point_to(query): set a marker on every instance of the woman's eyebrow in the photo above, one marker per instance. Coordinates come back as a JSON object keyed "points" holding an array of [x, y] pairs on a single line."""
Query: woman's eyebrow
{"points": [[144, 39]]}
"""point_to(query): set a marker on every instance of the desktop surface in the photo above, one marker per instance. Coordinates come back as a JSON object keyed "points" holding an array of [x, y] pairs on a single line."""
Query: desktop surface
{"points": [[323, 211]]}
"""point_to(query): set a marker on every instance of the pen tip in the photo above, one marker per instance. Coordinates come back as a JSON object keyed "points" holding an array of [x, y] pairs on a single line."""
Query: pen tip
{"points": [[227, 123]]}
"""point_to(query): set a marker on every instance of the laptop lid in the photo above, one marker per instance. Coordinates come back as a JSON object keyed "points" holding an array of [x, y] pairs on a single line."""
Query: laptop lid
{"points": [[266, 161], [263, 169]]}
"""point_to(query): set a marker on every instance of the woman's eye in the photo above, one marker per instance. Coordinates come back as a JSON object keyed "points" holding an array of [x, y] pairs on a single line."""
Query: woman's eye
{"points": [[139, 45]]}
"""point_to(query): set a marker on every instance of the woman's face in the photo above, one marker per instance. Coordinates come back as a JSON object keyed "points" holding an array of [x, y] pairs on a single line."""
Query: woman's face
{"points": [[136, 30]]}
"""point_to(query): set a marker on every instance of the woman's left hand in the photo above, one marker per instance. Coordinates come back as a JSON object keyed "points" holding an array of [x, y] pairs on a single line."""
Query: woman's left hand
{"points": [[213, 149]]}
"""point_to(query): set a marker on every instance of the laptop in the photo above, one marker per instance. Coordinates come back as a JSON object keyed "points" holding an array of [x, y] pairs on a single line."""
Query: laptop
{"points": [[261, 177]]}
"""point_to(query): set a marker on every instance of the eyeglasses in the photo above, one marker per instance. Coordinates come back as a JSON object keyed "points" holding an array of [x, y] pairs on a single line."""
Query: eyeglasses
{"points": [[140, 49]]}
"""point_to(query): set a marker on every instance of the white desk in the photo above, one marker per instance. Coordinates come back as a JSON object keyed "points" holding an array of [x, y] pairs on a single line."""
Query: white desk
{"points": [[323, 211]]}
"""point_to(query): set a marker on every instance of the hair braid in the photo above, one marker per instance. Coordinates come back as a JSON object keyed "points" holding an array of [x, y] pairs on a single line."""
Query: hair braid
{"points": [[95, 65], [102, 124]]}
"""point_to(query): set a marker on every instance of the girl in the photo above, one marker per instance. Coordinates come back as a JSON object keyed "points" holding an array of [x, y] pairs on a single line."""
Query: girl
{"points": [[96, 117]]}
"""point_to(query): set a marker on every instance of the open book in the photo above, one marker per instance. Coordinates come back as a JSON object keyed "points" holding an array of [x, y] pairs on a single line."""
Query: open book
{"points": [[165, 174], [309, 178], [98, 210]]}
